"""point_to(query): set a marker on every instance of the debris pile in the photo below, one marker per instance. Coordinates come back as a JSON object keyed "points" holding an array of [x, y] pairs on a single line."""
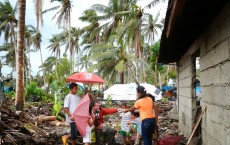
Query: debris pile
{"points": [[36, 127], [167, 121], [39, 126]]}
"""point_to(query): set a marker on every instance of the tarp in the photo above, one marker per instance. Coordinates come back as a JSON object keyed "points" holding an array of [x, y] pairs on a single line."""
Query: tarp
{"points": [[128, 91]]}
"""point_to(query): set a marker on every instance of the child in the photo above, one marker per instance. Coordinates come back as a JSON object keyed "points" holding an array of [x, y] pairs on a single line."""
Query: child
{"points": [[135, 125], [125, 129], [87, 138]]}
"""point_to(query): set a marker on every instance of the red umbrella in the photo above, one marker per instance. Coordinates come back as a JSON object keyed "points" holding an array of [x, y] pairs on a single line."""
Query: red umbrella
{"points": [[81, 114], [84, 77]]}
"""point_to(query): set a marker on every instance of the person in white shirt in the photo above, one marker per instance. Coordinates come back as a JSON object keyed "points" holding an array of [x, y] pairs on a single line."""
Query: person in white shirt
{"points": [[125, 128], [70, 104]]}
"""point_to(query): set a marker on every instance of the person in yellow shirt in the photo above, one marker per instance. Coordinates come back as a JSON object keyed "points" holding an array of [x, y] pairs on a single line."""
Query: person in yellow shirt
{"points": [[145, 105]]}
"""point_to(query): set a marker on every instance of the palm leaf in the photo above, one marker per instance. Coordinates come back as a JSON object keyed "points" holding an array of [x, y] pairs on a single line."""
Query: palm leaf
{"points": [[51, 9]]}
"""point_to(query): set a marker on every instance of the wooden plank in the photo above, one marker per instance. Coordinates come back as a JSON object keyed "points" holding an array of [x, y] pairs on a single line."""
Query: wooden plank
{"points": [[197, 123]]}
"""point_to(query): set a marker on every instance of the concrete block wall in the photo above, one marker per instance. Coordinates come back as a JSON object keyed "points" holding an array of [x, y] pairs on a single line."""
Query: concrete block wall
{"points": [[214, 47], [185, 100], [215, 80]]}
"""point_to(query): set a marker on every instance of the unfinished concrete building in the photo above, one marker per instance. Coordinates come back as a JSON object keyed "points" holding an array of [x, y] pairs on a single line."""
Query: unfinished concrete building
{"points": [[200, 30]]}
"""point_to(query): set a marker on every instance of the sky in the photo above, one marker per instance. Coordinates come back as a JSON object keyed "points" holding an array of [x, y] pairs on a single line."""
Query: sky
{"points": [[50, 28]]}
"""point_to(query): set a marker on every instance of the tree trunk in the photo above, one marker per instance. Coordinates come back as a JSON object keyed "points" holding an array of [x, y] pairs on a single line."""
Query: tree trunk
{"points": [[13, 42], [29, 64], [42, 66], [155, 72], [122, 77], [19, 101], [70, 43], [159, 80], [167, 77]]}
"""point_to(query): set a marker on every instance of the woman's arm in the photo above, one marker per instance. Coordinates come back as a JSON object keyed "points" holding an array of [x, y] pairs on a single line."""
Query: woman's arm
{"points": [[91, 121], [130, 109], [156, 111]]}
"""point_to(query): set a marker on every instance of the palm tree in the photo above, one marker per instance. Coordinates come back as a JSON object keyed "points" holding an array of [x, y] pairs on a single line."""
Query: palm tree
{"points": [[49, 65], [64, 19], [36, 39], [85, 61], [75, 35], [28, 44], [9, 58], [155, 54], [109, 13], [38, 12], [19, 101], [91, 33], [110, 60], [55, 44], [150, 26], [130, 29], [8, 20]]}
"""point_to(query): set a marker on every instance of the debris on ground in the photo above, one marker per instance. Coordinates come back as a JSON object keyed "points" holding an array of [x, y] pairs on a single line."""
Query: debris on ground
{"points": [[37, 126]]}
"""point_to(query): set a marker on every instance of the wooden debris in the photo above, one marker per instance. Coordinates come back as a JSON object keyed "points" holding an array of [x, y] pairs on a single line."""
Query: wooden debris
{"points": [[42, 118]]}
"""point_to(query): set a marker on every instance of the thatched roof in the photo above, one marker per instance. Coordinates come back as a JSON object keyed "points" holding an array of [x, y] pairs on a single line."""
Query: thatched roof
{"points": [[185, 21]]}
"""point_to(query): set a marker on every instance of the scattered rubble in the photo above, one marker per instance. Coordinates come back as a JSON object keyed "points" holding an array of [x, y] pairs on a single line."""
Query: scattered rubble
{"points": [[167, 121], [37, 127]]}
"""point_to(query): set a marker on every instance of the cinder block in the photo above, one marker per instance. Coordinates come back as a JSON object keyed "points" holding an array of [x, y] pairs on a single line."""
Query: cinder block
{"points": [[216, 132], [212, 39], [225, 73], [205, 137], [212, 94], [205, 78], [187, 82], [224, 117], [213, 113], [227, 136], [224, 28], [207, 94], [213, 141], [186, 92], [184, 62], [216, 75], [224, 98], [222, 52], [185, 73]]}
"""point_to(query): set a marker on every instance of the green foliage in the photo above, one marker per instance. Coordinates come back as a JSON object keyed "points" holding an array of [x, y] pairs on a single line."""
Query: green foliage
{"points": [[32, 89], [12, 94], [80, 92], [154, 55], [172, 74], [108, 101], [164, 100], [57, 108]]}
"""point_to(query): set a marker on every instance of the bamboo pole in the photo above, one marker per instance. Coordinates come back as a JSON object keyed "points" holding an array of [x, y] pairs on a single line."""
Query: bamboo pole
{"points": [[197, 123]]}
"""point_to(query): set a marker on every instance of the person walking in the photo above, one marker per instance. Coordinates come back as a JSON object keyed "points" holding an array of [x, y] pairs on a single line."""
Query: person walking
{"points": [[145, 106], [70, 104]]}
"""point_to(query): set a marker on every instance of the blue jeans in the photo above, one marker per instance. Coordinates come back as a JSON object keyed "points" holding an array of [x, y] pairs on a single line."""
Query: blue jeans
{"points": [[147, 128]]}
